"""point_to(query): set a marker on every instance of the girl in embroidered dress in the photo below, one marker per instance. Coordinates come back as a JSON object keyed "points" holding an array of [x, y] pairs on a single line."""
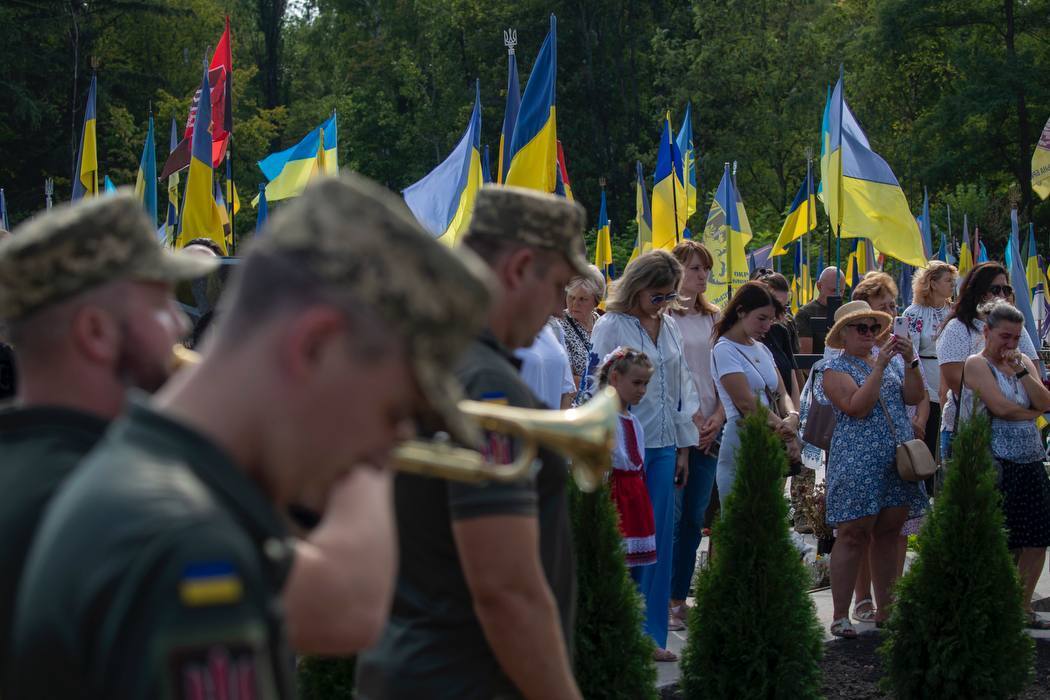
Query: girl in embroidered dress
{"points": [[628, 372]]}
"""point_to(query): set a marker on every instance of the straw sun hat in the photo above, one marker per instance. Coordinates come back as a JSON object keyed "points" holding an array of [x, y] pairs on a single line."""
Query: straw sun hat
{"points": [[853, 311]]}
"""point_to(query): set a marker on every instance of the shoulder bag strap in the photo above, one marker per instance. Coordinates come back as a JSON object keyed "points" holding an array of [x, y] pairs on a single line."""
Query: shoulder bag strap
{"points": [[576, 329], [886, 412], [958, 399]]}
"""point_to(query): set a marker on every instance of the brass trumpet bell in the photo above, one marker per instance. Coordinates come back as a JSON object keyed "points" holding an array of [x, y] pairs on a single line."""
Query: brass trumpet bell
{"points": [[585, 435]]}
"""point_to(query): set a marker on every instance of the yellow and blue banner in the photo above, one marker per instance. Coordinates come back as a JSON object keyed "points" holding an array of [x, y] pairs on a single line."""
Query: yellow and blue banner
{"points": [[510, 112], [262, 211], [688, 151], [1041, 164], [801, 217], [486, 170], [146, 180], [171, 222], [862, 196], [85, 177], [200, 216], [669, 205], [643, 215], [1015, 264], [534, 148], [443, 201], [860, 262], [289, 171], [725, 237]]}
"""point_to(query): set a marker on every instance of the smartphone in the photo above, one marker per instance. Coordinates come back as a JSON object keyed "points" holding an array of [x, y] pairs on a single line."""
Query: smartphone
{"points": [[900, 327]]}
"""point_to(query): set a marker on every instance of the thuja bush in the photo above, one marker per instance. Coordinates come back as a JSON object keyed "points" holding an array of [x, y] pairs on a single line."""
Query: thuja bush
{"points": [[957, 627], [613, 657], [326, 678], [754, 632]]}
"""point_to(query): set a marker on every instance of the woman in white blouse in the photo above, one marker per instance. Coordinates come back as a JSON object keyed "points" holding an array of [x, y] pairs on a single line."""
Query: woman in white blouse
{"points": [[932, 290], [637, 316]]}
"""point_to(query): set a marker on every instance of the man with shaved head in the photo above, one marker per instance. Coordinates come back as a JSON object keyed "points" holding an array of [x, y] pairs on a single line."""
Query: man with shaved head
{"points": [[830, 283]]}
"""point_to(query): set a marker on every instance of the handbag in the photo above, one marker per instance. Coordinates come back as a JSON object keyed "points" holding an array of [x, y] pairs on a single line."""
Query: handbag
{"points": [[820, 420], [914, 460]]}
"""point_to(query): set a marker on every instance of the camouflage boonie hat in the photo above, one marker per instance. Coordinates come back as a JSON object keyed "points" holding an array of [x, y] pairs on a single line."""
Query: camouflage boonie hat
{"points": [[534, 218], [360, 238], [75, 247]]}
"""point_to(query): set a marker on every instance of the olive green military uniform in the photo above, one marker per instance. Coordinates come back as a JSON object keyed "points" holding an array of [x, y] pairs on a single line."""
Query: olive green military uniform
{"points": [[39, 447], [52, 258], [434, 646], [156, 574], [158, 569]]}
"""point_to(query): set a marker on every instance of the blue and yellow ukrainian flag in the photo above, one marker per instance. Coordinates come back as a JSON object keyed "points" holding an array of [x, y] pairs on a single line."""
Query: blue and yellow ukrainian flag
{"points": [[289, 170], [861, 194], [510, 116], [669, 205], [443, 200], [925, 225], [942, 249], [688, 151], [146, 180], [562, 186], [1016, 264], [1033, 272], [171, 223], [603, 243], [643, 215], [262, 211], [85, 177], [725, 237], [486, 170], [801, 218], [200, 217], [860, 262], [1041, 164], [534, 148]]}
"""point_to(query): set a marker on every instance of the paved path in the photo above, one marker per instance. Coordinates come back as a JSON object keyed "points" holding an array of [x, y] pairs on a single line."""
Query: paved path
{"points": [[667, 673]]}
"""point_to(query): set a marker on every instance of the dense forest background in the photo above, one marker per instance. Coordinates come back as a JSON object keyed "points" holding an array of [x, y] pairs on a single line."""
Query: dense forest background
{"points": [[953, 93]]}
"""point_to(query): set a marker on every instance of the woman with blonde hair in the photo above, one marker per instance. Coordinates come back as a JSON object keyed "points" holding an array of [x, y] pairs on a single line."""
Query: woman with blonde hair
{"points": [[696, 319], [637, 315], [932, 290]]}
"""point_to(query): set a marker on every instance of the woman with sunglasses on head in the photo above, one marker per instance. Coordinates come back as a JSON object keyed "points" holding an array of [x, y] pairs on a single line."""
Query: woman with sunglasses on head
{"points": [[1007, 387], [867, 500], [746, 374], [963, 335], [638, 315]]}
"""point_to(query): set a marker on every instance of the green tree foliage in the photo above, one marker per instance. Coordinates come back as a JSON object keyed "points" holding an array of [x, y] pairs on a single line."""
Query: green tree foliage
{"points": [[614, 658], [957, 628], [754, 632], [947, 90]]}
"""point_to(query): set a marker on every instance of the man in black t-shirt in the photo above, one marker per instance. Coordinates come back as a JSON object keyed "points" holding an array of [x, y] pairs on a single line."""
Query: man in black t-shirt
{"points": [[486, 589], [830, 283]]}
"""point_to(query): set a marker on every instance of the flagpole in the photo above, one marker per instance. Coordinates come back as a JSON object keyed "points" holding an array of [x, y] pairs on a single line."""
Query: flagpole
{"points": [[950, 241], [229, 144]]}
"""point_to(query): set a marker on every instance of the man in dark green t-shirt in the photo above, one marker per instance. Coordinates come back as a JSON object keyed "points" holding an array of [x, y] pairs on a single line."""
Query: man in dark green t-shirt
{"points": [[158, 570], [86, 294], [486, 589]]}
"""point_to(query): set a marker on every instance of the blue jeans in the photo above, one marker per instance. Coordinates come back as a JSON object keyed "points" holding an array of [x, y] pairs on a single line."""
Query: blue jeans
{"points": [[946, 445], [690, 506], [654, 580]]}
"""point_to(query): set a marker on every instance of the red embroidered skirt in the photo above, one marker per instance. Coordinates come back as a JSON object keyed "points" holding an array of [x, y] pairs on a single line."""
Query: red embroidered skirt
{"points": [[636, 516]]}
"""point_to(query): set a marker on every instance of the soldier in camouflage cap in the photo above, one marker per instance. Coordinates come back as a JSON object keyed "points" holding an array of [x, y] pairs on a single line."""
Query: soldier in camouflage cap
{"points": [[342, 322], [87, 295], [487, 573]]}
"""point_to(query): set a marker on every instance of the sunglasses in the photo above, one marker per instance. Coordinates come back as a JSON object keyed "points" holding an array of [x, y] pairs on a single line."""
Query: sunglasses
{"points": [[656, 299], [866, 329], [1001, 290]]}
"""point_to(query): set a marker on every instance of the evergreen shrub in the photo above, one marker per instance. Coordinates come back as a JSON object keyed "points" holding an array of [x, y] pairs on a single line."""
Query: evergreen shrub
{"points": [[754, 631], [613, 656], [957, 626]]}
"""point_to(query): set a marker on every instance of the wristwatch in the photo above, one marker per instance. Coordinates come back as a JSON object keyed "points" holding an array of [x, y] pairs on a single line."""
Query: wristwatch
{"points": [[914, 363], [1022, 374]]}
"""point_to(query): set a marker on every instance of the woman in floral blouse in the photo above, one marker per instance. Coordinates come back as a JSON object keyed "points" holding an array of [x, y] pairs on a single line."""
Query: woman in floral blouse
{"points": [[582, 297]]}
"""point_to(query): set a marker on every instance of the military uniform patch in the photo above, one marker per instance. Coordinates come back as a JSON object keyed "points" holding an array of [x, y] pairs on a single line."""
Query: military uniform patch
{"points": [[215, 671], [210, 583]]}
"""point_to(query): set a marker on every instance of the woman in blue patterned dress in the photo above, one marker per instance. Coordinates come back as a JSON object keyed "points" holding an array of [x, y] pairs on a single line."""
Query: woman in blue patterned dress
{"points": [[867, 500]]}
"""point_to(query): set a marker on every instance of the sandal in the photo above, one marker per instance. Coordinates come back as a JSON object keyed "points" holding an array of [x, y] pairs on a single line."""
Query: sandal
{"points": [[1034, 622], [842, 627], [664, 655], [676, 620], [864, 611]]}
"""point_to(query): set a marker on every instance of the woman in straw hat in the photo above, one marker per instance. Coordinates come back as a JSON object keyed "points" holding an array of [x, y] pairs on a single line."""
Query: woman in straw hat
{"points": [[867, 500]]}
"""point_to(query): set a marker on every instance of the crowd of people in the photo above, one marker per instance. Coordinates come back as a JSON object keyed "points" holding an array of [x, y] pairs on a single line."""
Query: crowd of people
{"points": [[164, 531]]}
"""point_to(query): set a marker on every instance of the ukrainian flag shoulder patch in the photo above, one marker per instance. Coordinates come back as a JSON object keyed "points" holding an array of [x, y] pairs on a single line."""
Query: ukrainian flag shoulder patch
{"points": [[210, 583], [496, 397]]}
